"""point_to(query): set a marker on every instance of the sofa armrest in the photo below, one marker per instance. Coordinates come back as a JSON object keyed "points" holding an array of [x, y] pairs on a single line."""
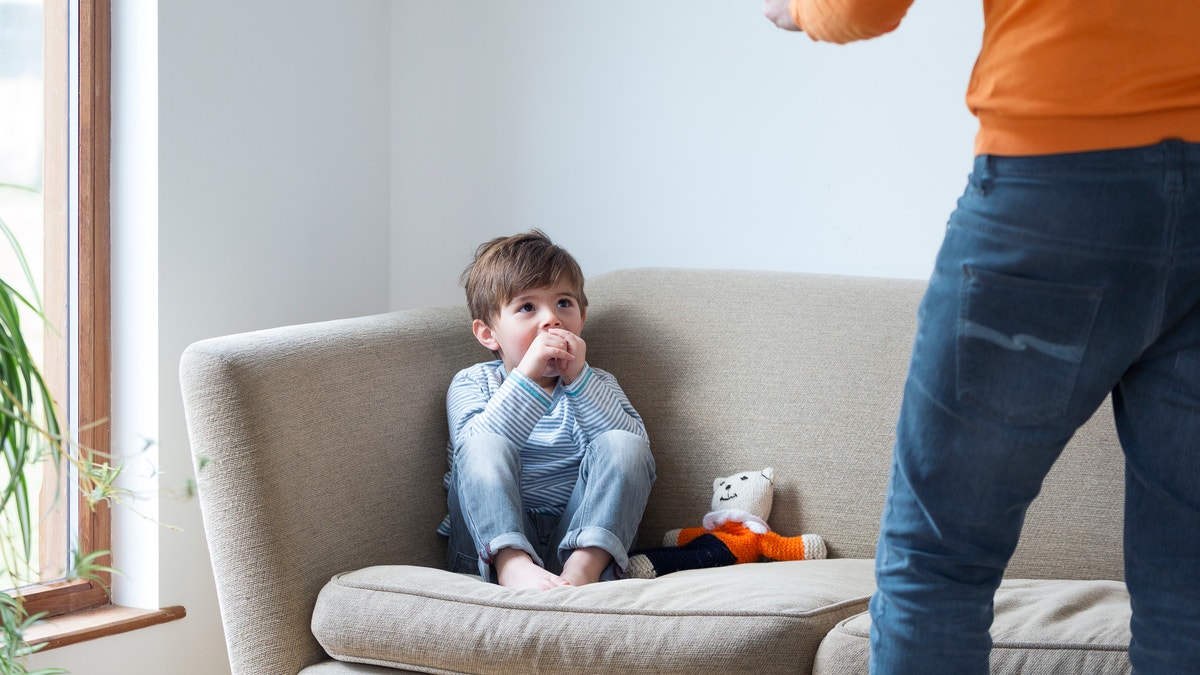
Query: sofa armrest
{"points": [[320, 449]]}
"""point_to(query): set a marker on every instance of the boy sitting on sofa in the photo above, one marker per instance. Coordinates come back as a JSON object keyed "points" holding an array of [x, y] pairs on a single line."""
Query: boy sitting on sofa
{"points": [[550, 465]]}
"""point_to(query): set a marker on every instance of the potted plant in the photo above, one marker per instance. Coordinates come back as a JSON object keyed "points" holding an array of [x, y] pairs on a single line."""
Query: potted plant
{"points": [[31, 433]]}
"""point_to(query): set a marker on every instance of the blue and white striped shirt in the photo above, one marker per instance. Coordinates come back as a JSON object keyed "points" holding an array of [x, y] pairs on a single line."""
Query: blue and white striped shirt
{"points": [[552, 430]]}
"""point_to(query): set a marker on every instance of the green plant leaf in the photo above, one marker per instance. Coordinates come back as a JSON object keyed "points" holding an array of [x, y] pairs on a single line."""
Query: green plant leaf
{"points": [[16, 246], [29, 433]]}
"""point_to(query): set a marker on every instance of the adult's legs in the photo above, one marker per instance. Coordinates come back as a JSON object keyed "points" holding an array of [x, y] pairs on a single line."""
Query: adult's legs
{"points": [[1157, 409], [1048, 286], [956, 501], [1158, 414]]}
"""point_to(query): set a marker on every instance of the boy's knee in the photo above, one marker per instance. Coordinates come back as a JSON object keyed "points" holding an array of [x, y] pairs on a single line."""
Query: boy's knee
{"points": [[622, 441], [486, 449], [624, 449]]}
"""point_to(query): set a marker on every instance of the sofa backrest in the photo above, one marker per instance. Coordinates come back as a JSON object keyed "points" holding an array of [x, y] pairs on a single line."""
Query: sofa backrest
{"points": [[742, 370]]}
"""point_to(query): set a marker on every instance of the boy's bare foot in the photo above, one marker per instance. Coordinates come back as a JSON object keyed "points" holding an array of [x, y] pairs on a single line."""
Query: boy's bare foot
{"points": [[585, 565], [516, 570]]}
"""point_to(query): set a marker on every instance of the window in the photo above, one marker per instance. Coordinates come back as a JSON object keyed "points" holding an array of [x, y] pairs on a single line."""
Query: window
{"points": [[71, 213], [71, 157]]}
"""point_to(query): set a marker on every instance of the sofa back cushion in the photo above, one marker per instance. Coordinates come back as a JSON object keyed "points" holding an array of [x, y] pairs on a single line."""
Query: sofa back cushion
{"points": [[740, 370]]}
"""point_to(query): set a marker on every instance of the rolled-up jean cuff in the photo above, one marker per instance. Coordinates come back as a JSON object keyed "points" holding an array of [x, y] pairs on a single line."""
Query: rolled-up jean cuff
{"points": [[597, 537], [509, 540]]}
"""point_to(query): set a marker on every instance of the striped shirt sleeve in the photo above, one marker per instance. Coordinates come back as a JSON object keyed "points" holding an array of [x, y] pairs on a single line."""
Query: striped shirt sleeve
{"points": [[479, 401], [601, 405]]}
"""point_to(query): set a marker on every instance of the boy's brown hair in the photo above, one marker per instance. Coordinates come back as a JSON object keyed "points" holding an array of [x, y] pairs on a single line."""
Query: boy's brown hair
{"points": [[506, 266]]}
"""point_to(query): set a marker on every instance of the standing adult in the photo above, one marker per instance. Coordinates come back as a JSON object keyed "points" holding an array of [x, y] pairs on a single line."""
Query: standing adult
{"points": [[1070, 270]]}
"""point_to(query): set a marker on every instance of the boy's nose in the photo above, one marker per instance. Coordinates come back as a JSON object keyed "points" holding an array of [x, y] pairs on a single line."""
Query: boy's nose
{"points": [[550, 319]]}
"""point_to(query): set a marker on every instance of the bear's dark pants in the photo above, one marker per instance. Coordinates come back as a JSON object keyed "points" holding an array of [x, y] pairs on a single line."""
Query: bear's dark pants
{"points": [[703, 551]]}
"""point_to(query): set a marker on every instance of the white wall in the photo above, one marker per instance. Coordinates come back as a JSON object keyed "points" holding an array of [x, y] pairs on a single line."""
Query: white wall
{"points": [[269, 202], [318, 159], [686, 133]]}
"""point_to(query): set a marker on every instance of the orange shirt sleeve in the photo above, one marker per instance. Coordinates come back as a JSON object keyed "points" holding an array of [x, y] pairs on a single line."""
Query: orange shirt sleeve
{"points": [[844, 21]]}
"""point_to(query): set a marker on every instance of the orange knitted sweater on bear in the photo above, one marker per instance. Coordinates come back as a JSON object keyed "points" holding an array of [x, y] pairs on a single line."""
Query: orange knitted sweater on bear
{"points": [[748, 546]]}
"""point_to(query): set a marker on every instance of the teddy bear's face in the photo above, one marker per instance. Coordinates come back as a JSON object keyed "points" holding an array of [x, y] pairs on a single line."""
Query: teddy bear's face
{"points": [[750, 491]]}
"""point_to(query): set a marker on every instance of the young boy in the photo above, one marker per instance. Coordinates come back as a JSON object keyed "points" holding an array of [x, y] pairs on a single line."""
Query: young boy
{"points": [[550, 466]]}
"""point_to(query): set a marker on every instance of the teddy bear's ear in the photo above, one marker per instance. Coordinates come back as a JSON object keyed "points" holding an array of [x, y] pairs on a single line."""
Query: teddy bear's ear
{"points": [[769, 474]]}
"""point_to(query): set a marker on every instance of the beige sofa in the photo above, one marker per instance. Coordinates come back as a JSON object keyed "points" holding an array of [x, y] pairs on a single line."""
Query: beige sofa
{"points": [[322, 453]]}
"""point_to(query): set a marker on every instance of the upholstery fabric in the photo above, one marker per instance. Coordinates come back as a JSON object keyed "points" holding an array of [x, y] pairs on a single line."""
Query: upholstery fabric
{"points": [[741, 370], [342, 668], [759, 618], [1051, 627]]}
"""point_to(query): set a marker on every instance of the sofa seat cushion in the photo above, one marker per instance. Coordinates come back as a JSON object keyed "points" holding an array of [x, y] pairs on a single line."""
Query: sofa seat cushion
{"points": [[1039, 627], [754, 618], [342, 668]]}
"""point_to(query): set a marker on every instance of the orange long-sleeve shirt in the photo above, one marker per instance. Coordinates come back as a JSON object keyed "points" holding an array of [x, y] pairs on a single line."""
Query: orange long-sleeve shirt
{"points": [[1057, 76]]}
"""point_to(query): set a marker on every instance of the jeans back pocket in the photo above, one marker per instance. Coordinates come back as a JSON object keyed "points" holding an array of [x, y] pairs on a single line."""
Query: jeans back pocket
{"points": [[1020, 345]]}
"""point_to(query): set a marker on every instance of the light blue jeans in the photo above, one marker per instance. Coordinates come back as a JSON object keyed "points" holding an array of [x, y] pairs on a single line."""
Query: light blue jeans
{"points": [[1061, 278], [487, 513]]}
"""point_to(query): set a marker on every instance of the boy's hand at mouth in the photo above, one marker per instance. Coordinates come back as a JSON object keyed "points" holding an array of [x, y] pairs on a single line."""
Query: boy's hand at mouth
{"points": [[554, 353], [571, 367]]}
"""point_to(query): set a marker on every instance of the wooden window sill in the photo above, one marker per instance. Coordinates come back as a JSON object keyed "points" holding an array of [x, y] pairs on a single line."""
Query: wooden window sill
{"points": [[69, 629]]}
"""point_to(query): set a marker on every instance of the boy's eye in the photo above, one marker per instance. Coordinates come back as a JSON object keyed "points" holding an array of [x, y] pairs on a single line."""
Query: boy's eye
{"points": [[527, 307], [565, 302]]}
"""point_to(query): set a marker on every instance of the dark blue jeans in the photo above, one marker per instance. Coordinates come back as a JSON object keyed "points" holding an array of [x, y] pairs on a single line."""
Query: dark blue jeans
{"points": [[1061, 279]]}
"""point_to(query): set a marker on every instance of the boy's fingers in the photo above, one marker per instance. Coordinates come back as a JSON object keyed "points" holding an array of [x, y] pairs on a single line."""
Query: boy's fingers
{"points": [[572, 340]]}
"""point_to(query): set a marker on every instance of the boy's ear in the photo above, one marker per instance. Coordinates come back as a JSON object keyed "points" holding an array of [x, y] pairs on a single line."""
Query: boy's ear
{"points": [[483, 333]]}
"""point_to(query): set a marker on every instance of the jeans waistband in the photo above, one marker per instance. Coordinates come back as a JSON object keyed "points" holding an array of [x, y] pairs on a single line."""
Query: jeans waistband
{"points": [[1167, 149]]}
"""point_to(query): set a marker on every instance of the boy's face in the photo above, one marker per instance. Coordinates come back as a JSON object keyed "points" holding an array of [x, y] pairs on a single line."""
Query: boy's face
{"points": [[519, 321]]}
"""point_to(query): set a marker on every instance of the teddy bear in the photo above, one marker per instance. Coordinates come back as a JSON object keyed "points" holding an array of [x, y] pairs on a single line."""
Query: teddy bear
{"points": [[734, 532]]}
